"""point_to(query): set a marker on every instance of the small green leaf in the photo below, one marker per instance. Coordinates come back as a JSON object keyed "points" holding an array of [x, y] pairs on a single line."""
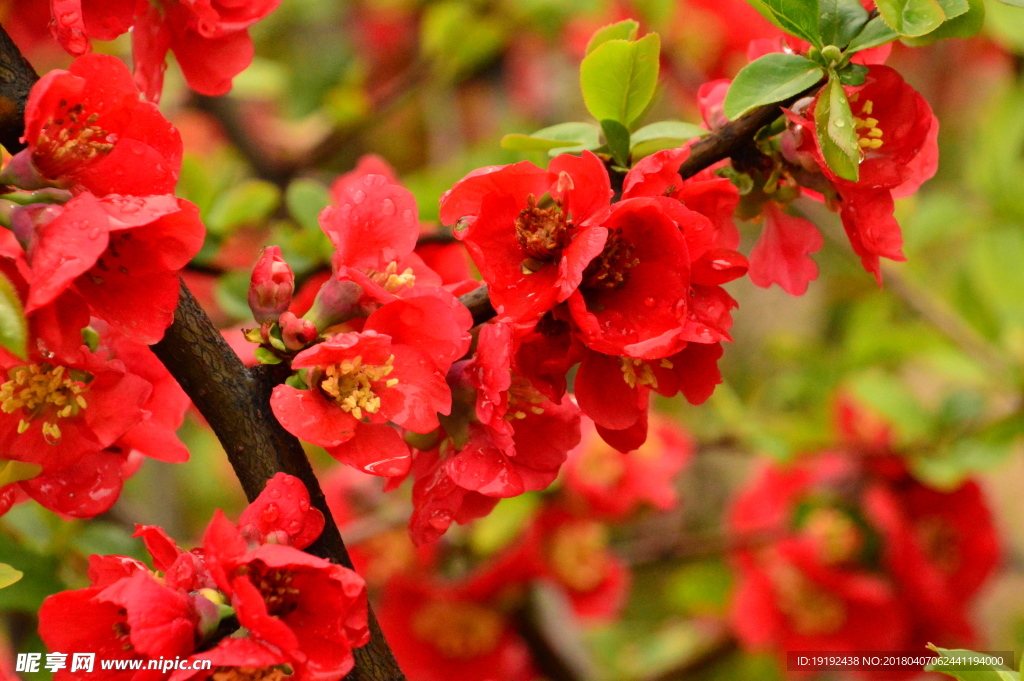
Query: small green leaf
{"points": [[678, 131], [247, 203], [876, 32], [853, 74], [617, 138], [967, 671], [9, 575], [623, 30], [769, 79], [964, 25], [265, 356], [840, 20], [911, 17], [954, 8], [555, 137], [797, 17], [1013, 3], [305, 199], [618, 78], [836, 131], [18, 471], [13, 327]]}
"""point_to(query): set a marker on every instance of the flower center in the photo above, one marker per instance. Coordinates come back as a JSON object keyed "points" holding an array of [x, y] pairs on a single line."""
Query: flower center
{"points": [[351, 383], [41, 390], [939, 542], [638, 372], [542, 232], [601, 465], [810, 609], [578, 554], [275, 586], [835, 534], [523, 397], [391, 281], [610, 270], [69, 140], [250, 674], [869, 135], [458, 630]]}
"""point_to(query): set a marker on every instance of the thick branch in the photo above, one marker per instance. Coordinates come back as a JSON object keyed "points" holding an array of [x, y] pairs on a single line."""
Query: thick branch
{"points": [[236, 402], [16, 79]]}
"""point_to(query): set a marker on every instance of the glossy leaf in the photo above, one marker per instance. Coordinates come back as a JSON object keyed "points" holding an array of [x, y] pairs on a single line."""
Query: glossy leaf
{"points": [[836, 131], [964, 25], [617, 138], [970, 672], [840, 21], [13, 326], [876, 32], [619, 78], [771, 78], [555, 137], [911, 17], [797, 17]]}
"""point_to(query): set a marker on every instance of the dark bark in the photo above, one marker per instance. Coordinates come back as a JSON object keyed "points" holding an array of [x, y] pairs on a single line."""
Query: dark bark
{"points": [[16, 79], [235, 401]]}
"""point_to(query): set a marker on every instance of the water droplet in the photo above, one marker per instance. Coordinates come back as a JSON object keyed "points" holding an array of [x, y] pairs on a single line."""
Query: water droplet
{"points": [[650, 302], [69, 18], [408, 217], [839, 123], [387, 206], [440, 519], [274, 493], [94, 233], [270, 513], [358, 196]]}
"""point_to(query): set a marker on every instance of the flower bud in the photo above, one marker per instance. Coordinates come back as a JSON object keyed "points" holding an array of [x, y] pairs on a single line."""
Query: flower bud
{"points": [[336, 302], [20, 172], [296, 332], [271, 287]]}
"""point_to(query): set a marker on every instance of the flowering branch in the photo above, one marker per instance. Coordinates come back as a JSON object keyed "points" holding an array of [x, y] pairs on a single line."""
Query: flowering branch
{"points": [[16, 79]]}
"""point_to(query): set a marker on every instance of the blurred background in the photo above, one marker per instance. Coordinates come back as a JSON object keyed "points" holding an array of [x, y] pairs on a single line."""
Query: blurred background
{"points": [[931, 362]]}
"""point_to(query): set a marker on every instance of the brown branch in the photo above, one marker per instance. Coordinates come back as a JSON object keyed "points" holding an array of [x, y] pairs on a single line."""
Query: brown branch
{"points": [[235, 401], [16, 80]]}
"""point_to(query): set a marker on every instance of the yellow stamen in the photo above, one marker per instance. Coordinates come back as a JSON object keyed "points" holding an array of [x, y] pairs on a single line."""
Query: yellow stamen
{"points": [[391, 280], [350, 384], [458, 629], [637, 372], [43, 390]]}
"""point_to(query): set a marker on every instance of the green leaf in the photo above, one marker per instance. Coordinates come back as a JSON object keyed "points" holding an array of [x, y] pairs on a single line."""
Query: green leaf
{"points": [[853, 74], [771, 78], [623, 30], [9, 575], [964, 25], [305, 199], [617, 138], [954, 8], [876, 32], [265, 356], [679, 131], [797, 17], [618, 79], [840, 21], [1013, 3], [836, 131], [247, 203], [555, 137], [970, 672], [13, 327], [17, 471], [911, 17]]}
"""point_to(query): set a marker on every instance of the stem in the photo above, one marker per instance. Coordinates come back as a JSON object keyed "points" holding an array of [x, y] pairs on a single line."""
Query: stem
{"points": [[235, 400], [16, 80]]}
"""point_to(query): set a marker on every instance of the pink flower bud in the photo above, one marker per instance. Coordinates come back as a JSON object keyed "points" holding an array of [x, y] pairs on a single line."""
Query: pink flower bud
{"points": [[296, 332], [20, 172], [271, 287]]}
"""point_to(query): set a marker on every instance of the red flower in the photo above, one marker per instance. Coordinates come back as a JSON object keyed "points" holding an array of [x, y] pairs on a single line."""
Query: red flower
{"points": [[781, 255], [531, 256], [312, 609], [391, 371], [897, 133], [603, 481], [440, 632], [281, 514], [803, 583], [86, 128], [209, 39], [570, 553], [941, 547], [122, 254]]}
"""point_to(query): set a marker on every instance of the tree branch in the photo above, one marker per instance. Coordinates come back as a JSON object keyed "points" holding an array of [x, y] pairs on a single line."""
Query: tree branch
{"points": [[235, 401], [16, 80]]}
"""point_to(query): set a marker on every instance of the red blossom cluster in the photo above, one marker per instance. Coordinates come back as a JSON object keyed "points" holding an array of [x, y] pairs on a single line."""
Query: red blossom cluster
{"points": [[96, 271], [442, 620], [845, 551], [209, 38], [249, 600]]}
